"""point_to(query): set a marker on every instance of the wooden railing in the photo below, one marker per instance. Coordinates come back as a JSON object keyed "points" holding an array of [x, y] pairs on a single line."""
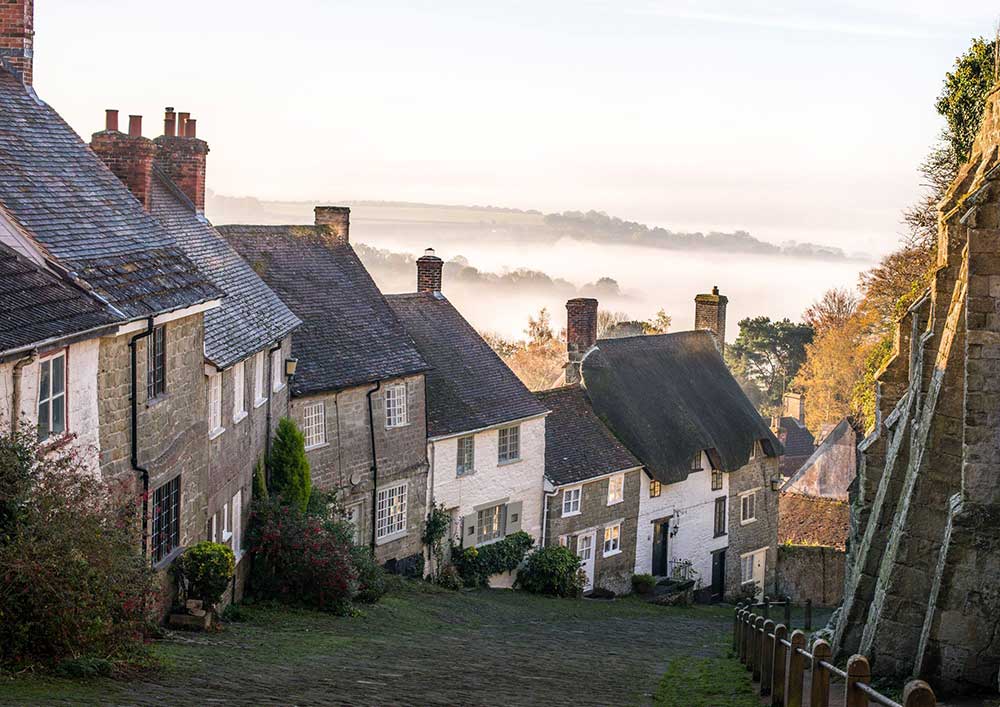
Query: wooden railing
{"points": [[779, 663]]}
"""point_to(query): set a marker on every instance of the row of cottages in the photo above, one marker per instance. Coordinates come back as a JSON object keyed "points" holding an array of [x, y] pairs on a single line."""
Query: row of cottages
{"points": [[658, 463], [130, 332]]}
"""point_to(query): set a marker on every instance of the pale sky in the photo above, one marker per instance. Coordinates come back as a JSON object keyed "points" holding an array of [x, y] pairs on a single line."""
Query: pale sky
{"points": [[793, 120]]}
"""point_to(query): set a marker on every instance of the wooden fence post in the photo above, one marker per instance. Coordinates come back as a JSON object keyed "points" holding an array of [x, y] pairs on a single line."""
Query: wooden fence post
{"points": [[767, 607], [917, 693], [809, 614], [778, 677], [788, 611], [743, 636], [736, 626], [767, 661], [796, 670], [748, 640], [758, 650], [858, 672], [820, 692]]}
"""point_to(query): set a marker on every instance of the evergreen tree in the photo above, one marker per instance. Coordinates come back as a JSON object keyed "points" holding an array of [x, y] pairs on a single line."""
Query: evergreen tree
{"points": [[290, 476], [259, 481]]}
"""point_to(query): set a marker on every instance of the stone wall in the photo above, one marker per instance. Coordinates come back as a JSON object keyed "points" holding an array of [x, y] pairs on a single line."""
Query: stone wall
{"points": [[614, 572], [343, 464], [811, 572], [761, 534]]}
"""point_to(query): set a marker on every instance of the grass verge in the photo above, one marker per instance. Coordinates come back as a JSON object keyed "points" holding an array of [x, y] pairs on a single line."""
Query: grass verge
{"points": [[705, 682]]}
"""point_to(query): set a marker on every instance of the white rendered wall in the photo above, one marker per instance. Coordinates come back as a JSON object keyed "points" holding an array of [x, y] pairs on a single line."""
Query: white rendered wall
{"points": [[691, 506], [492, 482], [81, 389]]}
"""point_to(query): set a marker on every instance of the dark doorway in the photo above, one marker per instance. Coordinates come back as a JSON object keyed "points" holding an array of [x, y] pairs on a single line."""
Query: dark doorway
{"points": [[718, 575], [661, 531]]}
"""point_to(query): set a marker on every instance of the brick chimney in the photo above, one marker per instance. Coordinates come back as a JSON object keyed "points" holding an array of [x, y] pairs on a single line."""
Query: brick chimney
{"points": [[429, 272], [794, 406], [710, 313], [17, 36], [336, 220], [581, 334], [182, 156], [130, 156]]}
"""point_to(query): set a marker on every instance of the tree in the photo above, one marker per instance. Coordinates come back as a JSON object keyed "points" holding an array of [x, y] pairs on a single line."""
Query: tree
{"points": [[539, 329], [964, 94], [834, 364], [659, 324], [768, 354], [290, 474], [831, 311], [608, 322]]}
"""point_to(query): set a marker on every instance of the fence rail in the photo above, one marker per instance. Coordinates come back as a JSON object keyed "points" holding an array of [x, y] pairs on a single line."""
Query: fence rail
{"points": [[779, 662]]}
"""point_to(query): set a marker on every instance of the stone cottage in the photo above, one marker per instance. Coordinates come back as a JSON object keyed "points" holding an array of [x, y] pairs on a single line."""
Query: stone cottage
{"points": [[485, 430], [358, 392], [707, 504], [924, 555], [592, 502]]}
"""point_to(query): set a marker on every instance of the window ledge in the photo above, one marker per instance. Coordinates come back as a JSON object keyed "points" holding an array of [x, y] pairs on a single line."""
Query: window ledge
{"points": [[719, 535], [509, 462], [747, 522], [278, 389], [613, 553], [216, 432], [259, 401], [227, 536], [396, 427], [239, 417], [462, 474], [570, 514], [399, 535], [311, 447], [615, 503], [171, 556], [158, 400]]}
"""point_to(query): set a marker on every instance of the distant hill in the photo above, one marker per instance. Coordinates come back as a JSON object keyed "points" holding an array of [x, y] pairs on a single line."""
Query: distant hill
{"points": [[409, 222]]}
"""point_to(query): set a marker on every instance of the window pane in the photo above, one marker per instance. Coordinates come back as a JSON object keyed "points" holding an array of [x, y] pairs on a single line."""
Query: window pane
{"points": [[45, 380], [59, 415], [59, 375], [43, 420]]}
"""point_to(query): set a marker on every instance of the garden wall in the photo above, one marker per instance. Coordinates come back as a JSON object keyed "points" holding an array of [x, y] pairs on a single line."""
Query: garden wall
{"points": [[811, 572]]}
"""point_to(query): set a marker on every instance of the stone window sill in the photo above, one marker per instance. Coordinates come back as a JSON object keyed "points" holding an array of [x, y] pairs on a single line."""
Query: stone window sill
{"points": [[616, 502], [216, 432], [158, 400], [259, 401], [613, 553], [313, 447], [390, 538], [171, 556], [239, 417], [748, 522], [570, 514], [509, 462]]}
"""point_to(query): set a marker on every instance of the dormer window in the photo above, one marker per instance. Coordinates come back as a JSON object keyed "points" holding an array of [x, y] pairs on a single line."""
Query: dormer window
{"points": [[696, 462]]}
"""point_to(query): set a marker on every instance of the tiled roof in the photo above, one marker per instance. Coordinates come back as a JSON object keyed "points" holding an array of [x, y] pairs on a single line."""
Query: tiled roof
{"points": [[349, 335], [251, 316], [81, 215], [38, 306], [469, 387], [799, 444], [671, 396], [578, 446]]}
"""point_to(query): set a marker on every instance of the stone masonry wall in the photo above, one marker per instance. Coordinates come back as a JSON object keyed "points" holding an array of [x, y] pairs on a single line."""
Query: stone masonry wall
{"points": [[343, 464], [759, 534], [811, 572], [614, 572]]}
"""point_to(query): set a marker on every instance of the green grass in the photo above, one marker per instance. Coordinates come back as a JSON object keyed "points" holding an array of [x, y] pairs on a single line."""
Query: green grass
{"points": [[705, 682]]}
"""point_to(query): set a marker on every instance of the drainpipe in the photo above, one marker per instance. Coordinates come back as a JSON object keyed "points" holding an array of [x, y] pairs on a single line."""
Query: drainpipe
{"points": [[15, 403], [270, 396], [143, 472], [374, 467]]}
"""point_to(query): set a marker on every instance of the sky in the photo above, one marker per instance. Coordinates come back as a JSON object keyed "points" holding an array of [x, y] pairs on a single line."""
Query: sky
{"points": [[793, 120]]}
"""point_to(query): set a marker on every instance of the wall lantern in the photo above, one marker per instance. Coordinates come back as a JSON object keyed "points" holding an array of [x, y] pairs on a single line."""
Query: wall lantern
{"points": [[776, 483], [291, 364]]}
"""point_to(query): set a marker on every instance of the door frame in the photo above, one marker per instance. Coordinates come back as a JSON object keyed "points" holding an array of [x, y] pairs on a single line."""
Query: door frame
{"points": [[720, 595], [591, 575], [658, 527]]}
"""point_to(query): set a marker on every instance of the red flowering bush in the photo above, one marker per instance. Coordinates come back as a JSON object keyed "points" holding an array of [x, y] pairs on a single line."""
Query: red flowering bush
{"points": [[300, 558], [73, 584]]}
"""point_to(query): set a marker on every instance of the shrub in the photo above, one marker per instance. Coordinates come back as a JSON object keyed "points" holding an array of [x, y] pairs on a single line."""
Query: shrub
{"points": [[372, 584], [643, 583], [290, 475], [205, 570], [260, 481], [552, 570], [74, 585], [301, 559], [449, 578], [477, 565]]}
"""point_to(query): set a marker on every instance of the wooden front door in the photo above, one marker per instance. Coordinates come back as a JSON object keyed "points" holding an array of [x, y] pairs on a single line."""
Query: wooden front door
{"points": [[718, 575], [661, 533], [585, 551]]}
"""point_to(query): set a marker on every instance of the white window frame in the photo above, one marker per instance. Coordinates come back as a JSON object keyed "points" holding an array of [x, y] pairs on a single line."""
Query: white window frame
{"points": [[572, 501], [461, 468], [239, 392], [213, 531], [497, 516], [215, 427], [616, 489], [751, 496], [277, 371], [227, 528], [314, 424], [612, 540], [396, 408], [259, 360], [237, 526], [504, 453], [52, 398], [746, 562], [390, 512]]}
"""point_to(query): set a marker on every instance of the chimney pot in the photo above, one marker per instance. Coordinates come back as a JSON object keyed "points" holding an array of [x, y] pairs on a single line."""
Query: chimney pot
{"points": [[169, 122], [111, 119], [710, 314], [182, 119], [191, 128], [335, 221], [183, 161], [135, 126], [581, 334], [429, 272]]}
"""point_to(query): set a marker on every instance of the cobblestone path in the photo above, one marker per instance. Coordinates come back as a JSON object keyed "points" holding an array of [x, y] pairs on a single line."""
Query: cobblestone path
{"points": [[418, 647]]}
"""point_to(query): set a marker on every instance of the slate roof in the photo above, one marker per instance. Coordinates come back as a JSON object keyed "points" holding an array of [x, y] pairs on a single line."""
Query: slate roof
{"points": [[798, 442], [81, 215], [578, 446], [670, 396], [250, 316], [469, 386], [349, 335], [36, 305]]}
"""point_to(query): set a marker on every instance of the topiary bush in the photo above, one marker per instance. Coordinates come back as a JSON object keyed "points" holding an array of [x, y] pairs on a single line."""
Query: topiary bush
{"points": [[205, 570], [477, 564], [290, 475], [643, 583], [552, 570], [300, 558]]}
